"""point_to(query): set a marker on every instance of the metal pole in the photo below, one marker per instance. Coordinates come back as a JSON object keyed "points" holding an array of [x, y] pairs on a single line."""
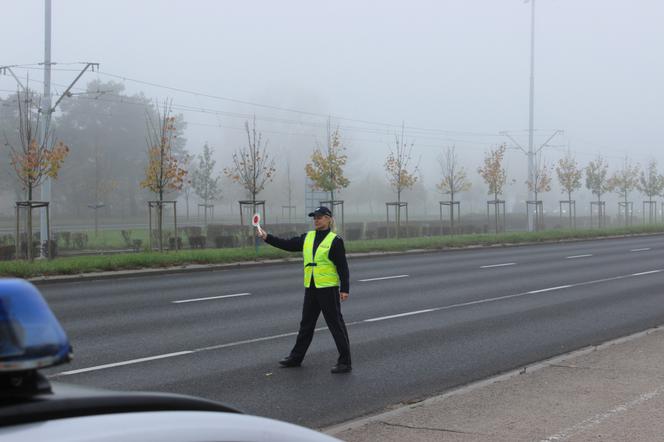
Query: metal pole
{"points": [[46, 111], [49, 253], [150, 225], [18, 240], [531, 119], [175, 224]]}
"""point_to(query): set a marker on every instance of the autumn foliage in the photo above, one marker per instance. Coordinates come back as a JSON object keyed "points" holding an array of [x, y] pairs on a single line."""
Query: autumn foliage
{"points": [[541, 180], [492, 172], [164, 172], [597, 180], [36, 157], [397, 166], [454, 179], [569, 175], [326, 167]]}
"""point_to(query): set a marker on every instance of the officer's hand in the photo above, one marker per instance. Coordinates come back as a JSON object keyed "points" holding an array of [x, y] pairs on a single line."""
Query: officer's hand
{"points": [[343, 295], [262, 234]]}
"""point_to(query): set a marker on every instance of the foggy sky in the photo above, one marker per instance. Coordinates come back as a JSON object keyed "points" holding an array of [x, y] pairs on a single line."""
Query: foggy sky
{"points": [[460, 66]]}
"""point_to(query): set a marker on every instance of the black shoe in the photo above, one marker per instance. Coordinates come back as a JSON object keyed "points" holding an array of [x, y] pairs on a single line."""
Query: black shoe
{"points": [[341, 368], [290, 361]]}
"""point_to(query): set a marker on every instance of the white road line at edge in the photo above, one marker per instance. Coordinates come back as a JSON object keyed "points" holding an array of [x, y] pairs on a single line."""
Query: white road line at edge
{"points": [[640, 250], [578, 256], [550, 289], [646, 273], [498, 265], [382, 278], [400, 315], [268, 338], [210, 297], [601, 417], [118, 364]]}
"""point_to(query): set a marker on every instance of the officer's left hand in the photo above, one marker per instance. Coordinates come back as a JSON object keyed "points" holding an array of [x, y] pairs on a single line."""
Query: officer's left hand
{"points": [[343, 295]]}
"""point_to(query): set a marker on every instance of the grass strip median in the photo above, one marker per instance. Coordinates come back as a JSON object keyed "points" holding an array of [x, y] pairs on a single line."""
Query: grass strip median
{"points": [[86, 264]]}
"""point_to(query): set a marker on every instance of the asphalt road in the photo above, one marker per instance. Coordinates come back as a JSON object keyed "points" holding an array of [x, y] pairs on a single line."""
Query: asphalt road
{"points": [[437, 320]]}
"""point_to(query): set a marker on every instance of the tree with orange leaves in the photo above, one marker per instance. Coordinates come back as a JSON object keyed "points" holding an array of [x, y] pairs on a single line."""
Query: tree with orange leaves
{"points": [[495, 176], [164, 172], [569, 177], [326, 167], [37, 154]]}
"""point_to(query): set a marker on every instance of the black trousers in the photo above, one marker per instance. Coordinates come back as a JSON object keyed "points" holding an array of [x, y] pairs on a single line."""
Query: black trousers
{"points": [[327, 301]]}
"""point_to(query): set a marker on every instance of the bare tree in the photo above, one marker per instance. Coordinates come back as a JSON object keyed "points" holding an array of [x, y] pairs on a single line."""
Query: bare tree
{"points": [[397, 166], [454, 179], [252, 166], [187, 185], [204, 179]]}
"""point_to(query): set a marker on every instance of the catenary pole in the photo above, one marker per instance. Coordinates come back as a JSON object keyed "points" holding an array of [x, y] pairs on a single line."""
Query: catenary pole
{"points": [[44, 127], [531, 117]]}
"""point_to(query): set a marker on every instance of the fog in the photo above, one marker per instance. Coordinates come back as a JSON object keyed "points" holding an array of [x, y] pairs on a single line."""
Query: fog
{"points": [[453, 72]]}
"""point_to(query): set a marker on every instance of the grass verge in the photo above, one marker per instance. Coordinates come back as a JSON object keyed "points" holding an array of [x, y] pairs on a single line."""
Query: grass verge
{"points": [[76, 265]]}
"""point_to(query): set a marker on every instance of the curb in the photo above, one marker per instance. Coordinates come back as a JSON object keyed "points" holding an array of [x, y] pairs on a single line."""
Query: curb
{"points": [[191, 268]]}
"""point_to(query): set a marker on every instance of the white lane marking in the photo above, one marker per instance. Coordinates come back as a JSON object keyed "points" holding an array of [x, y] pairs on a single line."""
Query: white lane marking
{"points": [[498, 265], [210, 297], [119, 364], [601, 417], [646, 273], [283, 335], [400, 315], [550, 289], [640, 250], [578, 256], [382, 278]]}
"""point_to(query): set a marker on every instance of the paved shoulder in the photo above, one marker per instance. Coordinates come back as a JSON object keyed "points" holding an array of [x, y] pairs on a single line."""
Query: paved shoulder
{"points": [[614, 392]]}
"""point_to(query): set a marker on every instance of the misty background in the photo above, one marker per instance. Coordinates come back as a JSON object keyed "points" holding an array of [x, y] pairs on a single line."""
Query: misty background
{"points": [[454, 72]]}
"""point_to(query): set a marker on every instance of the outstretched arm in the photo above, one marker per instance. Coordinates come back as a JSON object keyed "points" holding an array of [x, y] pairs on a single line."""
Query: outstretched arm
{"points": [[294, 244]]}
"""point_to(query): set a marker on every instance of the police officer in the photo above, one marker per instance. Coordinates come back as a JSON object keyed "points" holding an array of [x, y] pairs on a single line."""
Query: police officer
{"points": [[326, 282]]}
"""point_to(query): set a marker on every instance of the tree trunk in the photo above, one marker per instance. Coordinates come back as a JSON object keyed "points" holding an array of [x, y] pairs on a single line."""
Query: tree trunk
{"points": [[496, 206], [28, 239], [451, 213], [398, 212], [569, 203], [160, 208]]}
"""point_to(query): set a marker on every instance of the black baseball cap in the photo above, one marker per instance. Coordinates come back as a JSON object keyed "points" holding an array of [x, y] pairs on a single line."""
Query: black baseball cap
{"points": [[322, 210]]}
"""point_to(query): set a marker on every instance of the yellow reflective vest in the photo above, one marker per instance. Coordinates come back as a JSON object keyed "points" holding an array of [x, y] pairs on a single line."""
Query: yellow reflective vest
{"points": [[323, 269]]}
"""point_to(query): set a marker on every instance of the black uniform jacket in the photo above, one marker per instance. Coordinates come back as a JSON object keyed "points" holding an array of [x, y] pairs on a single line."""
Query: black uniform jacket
{"points": [[337, 252]]}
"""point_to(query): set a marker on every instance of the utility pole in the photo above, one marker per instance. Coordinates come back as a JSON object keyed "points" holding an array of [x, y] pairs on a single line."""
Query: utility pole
{"points": [[44, 128], [531, 153], [531, 118], [47, 111]]}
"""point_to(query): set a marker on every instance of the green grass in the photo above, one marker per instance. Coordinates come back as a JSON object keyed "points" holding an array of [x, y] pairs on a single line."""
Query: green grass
{"points": [[111, 239], [76, 265]]}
